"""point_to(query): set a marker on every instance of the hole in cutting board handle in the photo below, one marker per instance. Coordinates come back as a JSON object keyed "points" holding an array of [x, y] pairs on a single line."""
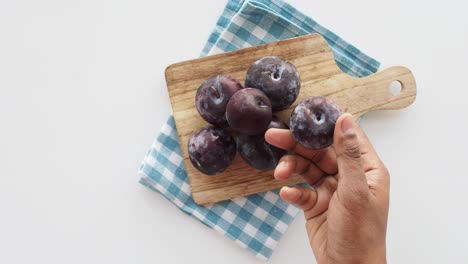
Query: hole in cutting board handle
{"points": [[395, 87]]}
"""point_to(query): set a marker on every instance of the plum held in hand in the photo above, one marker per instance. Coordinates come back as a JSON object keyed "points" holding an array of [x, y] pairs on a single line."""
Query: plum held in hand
{"points": [[257, 152], [212, 97], [277, 78], [249, 111], [312, 122], [211, 150]]}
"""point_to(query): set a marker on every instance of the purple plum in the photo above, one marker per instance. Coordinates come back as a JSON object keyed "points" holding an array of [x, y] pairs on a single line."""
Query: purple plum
{"points": [[312, 122], [249, 111], [211, 150], [212, 97], [277, 78], [257, 152]]}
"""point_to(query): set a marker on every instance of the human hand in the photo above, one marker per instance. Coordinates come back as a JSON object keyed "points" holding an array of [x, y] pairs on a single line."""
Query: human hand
{"points": [[347, 210]]}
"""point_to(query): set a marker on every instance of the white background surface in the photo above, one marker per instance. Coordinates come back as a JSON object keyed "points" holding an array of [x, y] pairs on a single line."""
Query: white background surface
{"points": [[82, 94]]}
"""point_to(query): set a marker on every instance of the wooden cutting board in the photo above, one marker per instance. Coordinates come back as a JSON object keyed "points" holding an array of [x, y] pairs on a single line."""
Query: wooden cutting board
{"points": [[319, 76]]}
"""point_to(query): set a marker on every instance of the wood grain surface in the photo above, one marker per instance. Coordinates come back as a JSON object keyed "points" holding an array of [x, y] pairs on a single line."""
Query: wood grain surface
{"points": [[319, 76]]}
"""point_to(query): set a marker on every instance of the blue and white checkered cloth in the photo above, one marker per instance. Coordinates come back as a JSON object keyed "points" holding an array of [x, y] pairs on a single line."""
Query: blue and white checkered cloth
{"points": [[256, 222]]}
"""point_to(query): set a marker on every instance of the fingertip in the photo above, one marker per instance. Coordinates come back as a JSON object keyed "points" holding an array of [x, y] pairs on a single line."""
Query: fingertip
{"points": [[345, 132], [346, 117], [289, 194], [281, 171], [280, 138], [270, 135]]}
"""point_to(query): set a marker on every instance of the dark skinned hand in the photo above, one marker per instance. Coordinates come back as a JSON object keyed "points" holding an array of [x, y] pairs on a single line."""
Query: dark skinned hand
{"points": [[347, 208]]}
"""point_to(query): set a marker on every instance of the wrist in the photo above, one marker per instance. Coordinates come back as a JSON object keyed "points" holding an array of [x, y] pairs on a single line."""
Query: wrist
{"points": [[377, 255]]}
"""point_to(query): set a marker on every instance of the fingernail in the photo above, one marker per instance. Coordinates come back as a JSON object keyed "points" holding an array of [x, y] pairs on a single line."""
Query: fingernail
{"points": [[287, 193], [281, 165], [347, 125], [279, 175]]}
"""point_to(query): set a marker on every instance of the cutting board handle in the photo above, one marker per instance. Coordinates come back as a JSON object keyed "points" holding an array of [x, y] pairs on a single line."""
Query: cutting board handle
{"points": [[374, 92]]}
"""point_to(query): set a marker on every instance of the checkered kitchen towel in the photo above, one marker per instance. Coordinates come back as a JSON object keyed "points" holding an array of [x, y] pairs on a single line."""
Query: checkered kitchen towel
{"points": [[256, 222]]}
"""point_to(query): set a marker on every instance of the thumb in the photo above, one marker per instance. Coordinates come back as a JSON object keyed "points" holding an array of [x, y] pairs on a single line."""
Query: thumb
{"points": [[351, 177]]}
